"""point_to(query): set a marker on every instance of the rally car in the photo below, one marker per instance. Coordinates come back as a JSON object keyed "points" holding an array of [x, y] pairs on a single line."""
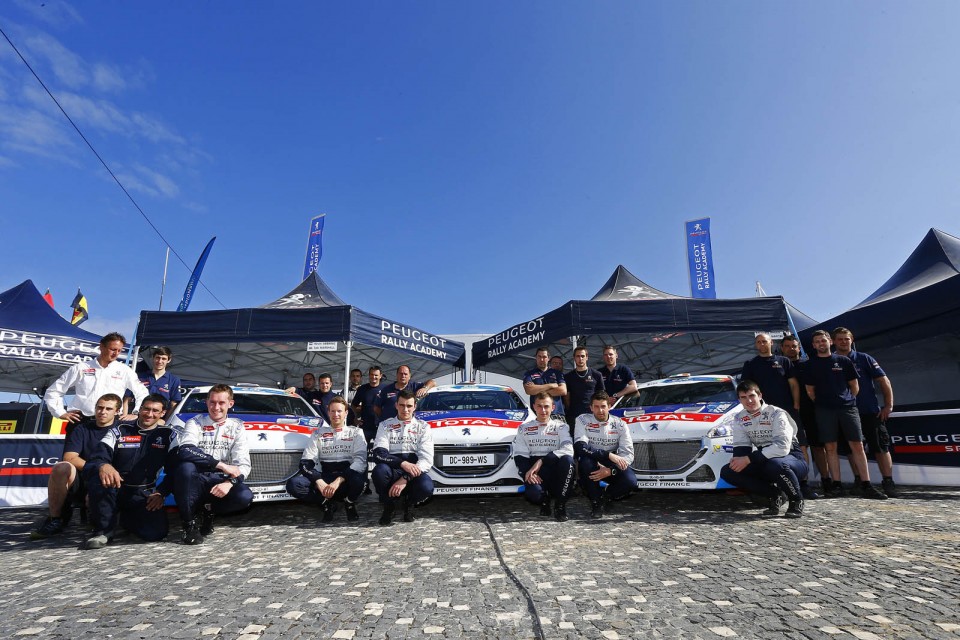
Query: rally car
{"points": [[681, 431], [473, 428], [279, 425]]}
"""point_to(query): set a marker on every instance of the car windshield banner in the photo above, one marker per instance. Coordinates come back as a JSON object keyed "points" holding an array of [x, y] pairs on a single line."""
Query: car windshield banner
{"points": [[700, 257]]}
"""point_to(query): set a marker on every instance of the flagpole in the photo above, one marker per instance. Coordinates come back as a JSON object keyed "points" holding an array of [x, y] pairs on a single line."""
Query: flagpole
{"points": [[163, 283]]}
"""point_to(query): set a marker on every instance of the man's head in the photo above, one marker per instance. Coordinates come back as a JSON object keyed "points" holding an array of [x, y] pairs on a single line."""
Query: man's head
{"points": [[764, 344], [543, 406], [749, 393], [580, 357], [111, 346], [161, 358], [337, 410], [543, 358], [821, 342], [600, 406], [843, 338], [406, 403], [610, 356], [324, 382], [152, 409], [105, 412], [790, 347], [219, 401], [403, 375], [374, 374], [556, 362], [309, 381], [356, 378]]}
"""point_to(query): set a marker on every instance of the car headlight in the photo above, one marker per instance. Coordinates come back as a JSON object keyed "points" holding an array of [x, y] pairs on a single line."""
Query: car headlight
{"points": [[719, 431]]}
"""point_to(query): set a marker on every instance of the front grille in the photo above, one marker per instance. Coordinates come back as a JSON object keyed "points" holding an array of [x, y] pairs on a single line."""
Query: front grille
{"points": [[665, 456], [703, 474], [501, 453], [273, 467]]}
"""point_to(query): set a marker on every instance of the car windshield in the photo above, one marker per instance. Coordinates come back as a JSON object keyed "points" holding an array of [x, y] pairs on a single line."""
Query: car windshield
{"points": [[690, 393], [470, 400], [273, 405]]}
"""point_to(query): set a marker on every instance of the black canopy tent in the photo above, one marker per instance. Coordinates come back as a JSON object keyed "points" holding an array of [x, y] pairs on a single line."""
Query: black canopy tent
{"points": [[657, 334], [308, 329]]}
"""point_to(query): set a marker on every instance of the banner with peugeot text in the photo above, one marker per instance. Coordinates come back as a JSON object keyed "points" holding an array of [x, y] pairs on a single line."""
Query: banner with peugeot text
{"points": [[700, 259], [25, 464], [314, 245], [195, 277], [387, 334], [41, 347]]}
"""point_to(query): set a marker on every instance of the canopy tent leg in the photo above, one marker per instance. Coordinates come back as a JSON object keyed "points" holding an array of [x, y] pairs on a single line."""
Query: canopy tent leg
{"points": [[346, 370]]}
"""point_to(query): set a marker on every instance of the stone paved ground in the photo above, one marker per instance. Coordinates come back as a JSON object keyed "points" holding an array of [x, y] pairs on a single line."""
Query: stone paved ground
{"points": [[663, 565]]}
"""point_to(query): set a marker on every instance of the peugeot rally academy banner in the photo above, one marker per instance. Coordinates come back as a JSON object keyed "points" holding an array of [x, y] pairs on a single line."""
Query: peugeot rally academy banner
{"points": [[700, 257], [25, 464], [314, 245]]}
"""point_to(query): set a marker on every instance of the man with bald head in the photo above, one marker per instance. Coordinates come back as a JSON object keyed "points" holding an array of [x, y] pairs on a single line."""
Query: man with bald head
{"points": [[385, 404]]}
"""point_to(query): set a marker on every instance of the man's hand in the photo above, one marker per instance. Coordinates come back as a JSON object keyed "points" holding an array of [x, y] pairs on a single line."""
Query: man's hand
{"points": [[154, 501], [397, 488], [71, 416], [619, 461], [110, 477], [128, 416], [229, 469], [739, 463], [412, 469], [532, 476], [601, 474], [885, 413], [331, 488], [222, 489]]}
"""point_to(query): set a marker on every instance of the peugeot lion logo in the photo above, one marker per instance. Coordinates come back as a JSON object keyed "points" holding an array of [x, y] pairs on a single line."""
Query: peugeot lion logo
{"points": [[466, 431]]}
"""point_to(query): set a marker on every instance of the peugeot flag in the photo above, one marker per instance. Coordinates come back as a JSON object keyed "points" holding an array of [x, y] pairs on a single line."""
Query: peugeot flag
{"points": [[700, 257], [195, 277], [314, 245]]}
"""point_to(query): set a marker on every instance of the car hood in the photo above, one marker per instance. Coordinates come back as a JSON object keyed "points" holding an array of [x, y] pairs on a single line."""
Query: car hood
{"points": [[268, 431], [673, 422], [473, 426]]}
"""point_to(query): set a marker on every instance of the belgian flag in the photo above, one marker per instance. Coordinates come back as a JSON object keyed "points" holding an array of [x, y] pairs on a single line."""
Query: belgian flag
{"points": [[80, 312]]}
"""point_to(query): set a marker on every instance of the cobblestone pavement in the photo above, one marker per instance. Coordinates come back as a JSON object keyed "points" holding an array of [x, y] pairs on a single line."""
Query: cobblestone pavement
{"points": [[662, 565]]}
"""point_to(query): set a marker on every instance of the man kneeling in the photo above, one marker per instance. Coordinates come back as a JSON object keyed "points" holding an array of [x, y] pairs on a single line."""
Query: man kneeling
{"points": [[334, 465], [604, 451], [543, 452], [766, 455]]}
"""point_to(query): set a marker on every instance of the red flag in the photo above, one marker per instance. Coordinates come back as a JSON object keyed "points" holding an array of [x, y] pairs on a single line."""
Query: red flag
{"points": [[49, 298]]}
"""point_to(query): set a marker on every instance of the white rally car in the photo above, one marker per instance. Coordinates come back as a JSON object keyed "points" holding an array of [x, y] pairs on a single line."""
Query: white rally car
{"points": [[473, 429], [681, 431], [279, 425]]}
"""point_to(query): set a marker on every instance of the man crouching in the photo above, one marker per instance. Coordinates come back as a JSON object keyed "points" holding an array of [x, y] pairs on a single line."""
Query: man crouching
{"points": [[543, 452]]}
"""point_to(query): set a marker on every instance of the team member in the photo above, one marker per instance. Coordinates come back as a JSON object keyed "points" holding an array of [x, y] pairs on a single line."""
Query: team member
{"points": [[556, 363], [309, 387], [66, 483], [403, 453], [831, 382], [873, 417], [543, 452], [582, 382], [604, 451], [121, 477], [790, 347], [766, 455], [774, 375], [324, 396], [333, 466], [212, 461], [91, 380], [365, 399], [385, 402], [546, 380], [162, 382], [356, 380], [618, 379]]}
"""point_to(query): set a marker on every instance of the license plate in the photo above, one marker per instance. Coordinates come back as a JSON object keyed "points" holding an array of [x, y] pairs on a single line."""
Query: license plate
{"points": [[469, 460]]}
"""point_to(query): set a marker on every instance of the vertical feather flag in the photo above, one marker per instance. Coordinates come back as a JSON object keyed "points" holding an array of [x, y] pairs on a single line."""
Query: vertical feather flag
{"points": [[314, 245], [195, 277], [80, 310], [49, 298]]}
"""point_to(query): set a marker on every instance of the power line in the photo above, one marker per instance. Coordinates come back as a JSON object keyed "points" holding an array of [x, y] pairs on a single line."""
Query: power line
{"points": [[105, 166]]}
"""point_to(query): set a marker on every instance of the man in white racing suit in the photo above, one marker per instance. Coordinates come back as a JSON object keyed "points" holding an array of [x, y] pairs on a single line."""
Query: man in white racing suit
{"points": [[604, 451], [543, 452]]}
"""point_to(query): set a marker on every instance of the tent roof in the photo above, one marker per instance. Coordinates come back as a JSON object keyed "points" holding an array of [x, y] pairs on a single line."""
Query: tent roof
{"points": [[623, 285], [36, 343], [279, 341]]}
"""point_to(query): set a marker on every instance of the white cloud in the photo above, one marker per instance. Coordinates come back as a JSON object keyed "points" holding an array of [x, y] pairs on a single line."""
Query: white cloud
{"points": [[30, 131], [67, 67], [107, 78], [53, 12], [145, 180]]}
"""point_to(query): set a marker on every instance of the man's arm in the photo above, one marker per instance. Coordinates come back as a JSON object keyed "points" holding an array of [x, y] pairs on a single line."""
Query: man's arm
{"points": [[795, 392], [429, 384], [887, 390], [811, 392], [54, 394], [854, 386], [560, 391]]}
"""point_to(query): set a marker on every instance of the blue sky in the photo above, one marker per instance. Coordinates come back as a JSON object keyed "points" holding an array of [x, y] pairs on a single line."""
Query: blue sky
{"points": [[479, 162]]}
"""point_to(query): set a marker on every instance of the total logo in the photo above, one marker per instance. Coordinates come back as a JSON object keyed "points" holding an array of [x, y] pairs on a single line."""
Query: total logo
{"points": [[474, 422]]}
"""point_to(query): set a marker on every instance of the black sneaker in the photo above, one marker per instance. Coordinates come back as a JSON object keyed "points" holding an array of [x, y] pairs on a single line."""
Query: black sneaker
{"points": [[777, 501], [868, 490], [367, 490], [597, 511], [856, 489], [835, 490], [205, 521], [191, 533], [97, 541], [795, 509], [890, 488], [560, 511], [808, 492], [328, 510], [387, 514], [545, 507], [351, 510], [50, 527]]}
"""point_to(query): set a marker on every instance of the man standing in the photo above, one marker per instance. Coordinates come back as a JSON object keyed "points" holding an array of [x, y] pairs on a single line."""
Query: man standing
{"points": [[790, 347], [213, 460], [385, 402], [873, 417], [543, 452], [162, 382], [364, 401], [556, 363], [356, 380], [333, 467], [91, 380], [66, 482], [582, 382], [324, 396], [309, 387], [604, 451], [774, 375], [403, 453], [121, 477], [618, 380], [831, 382], [766, 455], [543, 379]]}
